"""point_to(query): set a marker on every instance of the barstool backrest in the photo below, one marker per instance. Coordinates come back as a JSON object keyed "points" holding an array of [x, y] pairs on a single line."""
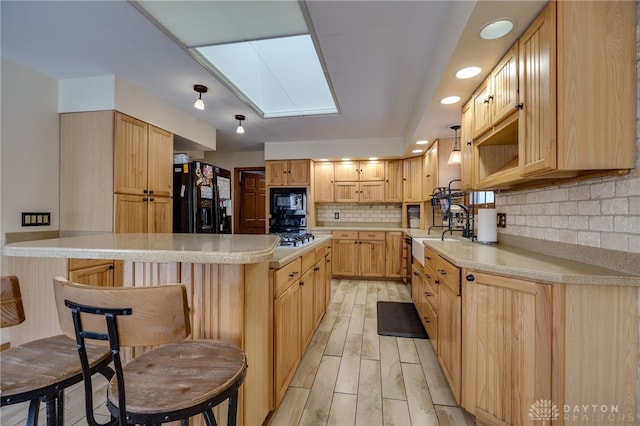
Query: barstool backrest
{"points": [[160, 314], [11, 309]]}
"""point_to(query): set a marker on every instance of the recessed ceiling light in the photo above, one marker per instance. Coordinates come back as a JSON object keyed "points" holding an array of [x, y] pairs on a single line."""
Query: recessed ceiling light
{"points": [[324, 159], [496, 29], [416, 151], [422, 142], [373, 158], [468, 72], [346, 159], [450, 100]]}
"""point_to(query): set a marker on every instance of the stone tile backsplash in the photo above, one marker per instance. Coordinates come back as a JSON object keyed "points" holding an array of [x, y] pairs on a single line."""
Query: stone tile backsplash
{"points": [[358, 212]]}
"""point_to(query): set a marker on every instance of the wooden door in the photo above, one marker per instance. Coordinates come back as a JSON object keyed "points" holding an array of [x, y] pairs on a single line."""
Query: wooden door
{"points": [[481, 109], [450, 338], [319, 290], [130, 155], [307, 318], [160, 215], [347, 192], [371, 258], [393, 181], [99, 275], [286, 338], [504, 86], [345, 171], [537, 138], [344, 255], [323, 182], [467, 180], [160, 161], [276, 172], [299, 173], [371, 191], [412, 180], [372, 170], [430, 171], [253, 203], [507, 329], [130, 214], [394, 261]]}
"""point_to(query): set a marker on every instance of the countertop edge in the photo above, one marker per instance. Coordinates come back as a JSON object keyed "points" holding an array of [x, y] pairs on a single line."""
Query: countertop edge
{"points": [[292, 254]]}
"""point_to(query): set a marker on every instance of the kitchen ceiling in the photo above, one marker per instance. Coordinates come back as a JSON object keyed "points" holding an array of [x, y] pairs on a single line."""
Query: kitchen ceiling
{"points": [[390, 62]]}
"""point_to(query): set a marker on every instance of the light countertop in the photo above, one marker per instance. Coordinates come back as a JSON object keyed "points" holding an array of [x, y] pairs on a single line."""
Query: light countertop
{"points": [[285, 255], [193, 248]]}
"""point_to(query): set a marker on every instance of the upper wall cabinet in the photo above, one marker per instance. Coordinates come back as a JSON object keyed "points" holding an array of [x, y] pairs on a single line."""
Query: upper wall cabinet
{"points": [[288, 172], [577, 82], [467, 181], [323, 191], [393, 181], [349, 171], [412, 180]]}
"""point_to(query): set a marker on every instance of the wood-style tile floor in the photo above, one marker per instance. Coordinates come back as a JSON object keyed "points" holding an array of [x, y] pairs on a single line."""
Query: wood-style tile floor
{"points": [[350, 375]]}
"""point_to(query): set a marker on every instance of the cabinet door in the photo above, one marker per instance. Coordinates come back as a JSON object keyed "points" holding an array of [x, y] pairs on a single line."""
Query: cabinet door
{"points": [[430, 171], [327, 280], [346, 171], [507, 347], [319, 290], [130, 155], [371, 191], [160, 160], [372, 258], [298, 173], [130, 214], [276, 172], [504, 86], [412, 179], [286, 336], [466, 146], [537, 138], [323, 182], [100, 275], [344, 257], [481, 109], [393, 181], [307, 319], [347, 192], [372, 170], [160, 219], [450, 338], [394, 261]]}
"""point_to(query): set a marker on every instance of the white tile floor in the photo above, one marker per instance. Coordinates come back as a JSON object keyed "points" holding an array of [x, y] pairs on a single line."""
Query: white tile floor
{"points": [[350, 375]]}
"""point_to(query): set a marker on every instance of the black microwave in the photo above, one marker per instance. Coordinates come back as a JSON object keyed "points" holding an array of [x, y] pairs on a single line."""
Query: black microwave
{"points": [[288, 199]]}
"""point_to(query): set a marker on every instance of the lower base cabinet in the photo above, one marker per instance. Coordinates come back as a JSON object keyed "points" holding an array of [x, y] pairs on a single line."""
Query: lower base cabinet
{"points": [[367, 254], [105, 273]]}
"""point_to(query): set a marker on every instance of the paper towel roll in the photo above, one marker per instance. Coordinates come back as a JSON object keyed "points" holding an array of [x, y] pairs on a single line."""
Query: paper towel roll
{"points": [[487, 226]]}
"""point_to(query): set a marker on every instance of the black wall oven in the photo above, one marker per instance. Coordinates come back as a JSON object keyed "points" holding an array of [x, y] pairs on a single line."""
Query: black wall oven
{"points": [[288, 210]]}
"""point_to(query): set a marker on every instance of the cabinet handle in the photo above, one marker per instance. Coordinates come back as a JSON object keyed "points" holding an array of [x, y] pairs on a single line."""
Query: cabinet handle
{"points": [[144, 191], [427, 258], [486, 100], [145, 199], [437, 282], [519, 105], [293, 274], [470, 277], [415, 273], [151, 191], [469, 143], [442, 271], [428, 175], [426, 293], [112, 267], [427, 275], [301, 283], [427, 320], [152, 199]]}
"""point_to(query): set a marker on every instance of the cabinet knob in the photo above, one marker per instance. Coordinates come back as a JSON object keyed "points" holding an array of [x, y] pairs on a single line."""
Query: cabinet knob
{"points": [[145, 199], [519, 105], [486, 100], [152, 199], [469, 143], [144, 191], [470, 277], [151, 191], [442, 271], [112, 267], [437, 282], [427, 320], [426, 293], [301, 283]]}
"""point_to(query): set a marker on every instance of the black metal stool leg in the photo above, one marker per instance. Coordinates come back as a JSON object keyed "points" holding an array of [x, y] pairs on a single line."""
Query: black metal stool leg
{"points": [[232, 414], [184, 422], [60, 408], [52, 415], [209, 418], [34, 409]]}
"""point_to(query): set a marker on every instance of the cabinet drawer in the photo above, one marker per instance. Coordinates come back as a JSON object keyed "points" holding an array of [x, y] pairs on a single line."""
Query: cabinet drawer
{"points": [[430, 321], [447, 273], [308, 260], [430, 291], [345, 235], [372, 235], [284, 276], [75, 264], [322, 251]]}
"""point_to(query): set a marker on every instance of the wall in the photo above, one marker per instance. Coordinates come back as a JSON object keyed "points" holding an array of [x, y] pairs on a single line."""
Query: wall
{"points": [[359, 214], [335, 149], [30, 147]]}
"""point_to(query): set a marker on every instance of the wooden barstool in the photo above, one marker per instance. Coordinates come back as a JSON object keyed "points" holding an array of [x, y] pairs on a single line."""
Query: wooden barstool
{"points": [[176, 380], [40, 370]]}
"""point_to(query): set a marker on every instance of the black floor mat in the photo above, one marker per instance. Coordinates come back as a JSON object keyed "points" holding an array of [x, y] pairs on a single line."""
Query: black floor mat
{"points": [[399, 319]]}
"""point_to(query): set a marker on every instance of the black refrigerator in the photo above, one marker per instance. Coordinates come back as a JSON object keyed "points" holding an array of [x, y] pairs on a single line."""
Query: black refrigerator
{"points": [[201, 199]]}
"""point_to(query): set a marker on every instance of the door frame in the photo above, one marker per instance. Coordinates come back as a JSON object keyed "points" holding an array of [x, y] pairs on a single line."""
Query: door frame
{"points": [[236, 188]]}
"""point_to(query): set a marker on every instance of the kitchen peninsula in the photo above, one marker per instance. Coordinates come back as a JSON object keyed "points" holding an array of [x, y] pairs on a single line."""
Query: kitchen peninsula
{"points": [[227, 286]]}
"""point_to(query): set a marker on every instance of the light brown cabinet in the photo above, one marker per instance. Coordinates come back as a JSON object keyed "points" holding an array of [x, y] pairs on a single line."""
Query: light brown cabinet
{"points": [[288, 172], [467, 166], [412, 180], [287, 331], [359, 181], [393, 181], [92, 272], [394, 258], [359, 254], [430, 171], [323, 188], [353, 192], [113, 167]]}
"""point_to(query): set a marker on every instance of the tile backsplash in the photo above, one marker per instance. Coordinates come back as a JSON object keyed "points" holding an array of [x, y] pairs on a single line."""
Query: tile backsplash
{"points": [[358, 212]]}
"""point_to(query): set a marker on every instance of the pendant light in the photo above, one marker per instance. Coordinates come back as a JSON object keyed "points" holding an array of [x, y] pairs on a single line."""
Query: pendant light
{"points": [[456, 156], [240, 118], [199, 104]]}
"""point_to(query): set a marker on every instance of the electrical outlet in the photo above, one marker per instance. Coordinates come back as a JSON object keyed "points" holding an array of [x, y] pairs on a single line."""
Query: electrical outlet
{"points": [[36, 218], [336, 215], [502, 220]]}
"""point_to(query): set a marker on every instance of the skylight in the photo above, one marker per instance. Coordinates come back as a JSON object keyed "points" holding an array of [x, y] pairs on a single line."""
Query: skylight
{"points": [[262, 50], [279, 76]]}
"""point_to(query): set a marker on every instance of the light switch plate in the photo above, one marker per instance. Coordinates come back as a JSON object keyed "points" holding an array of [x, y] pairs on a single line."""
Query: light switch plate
{"points": [[36, 218]]}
